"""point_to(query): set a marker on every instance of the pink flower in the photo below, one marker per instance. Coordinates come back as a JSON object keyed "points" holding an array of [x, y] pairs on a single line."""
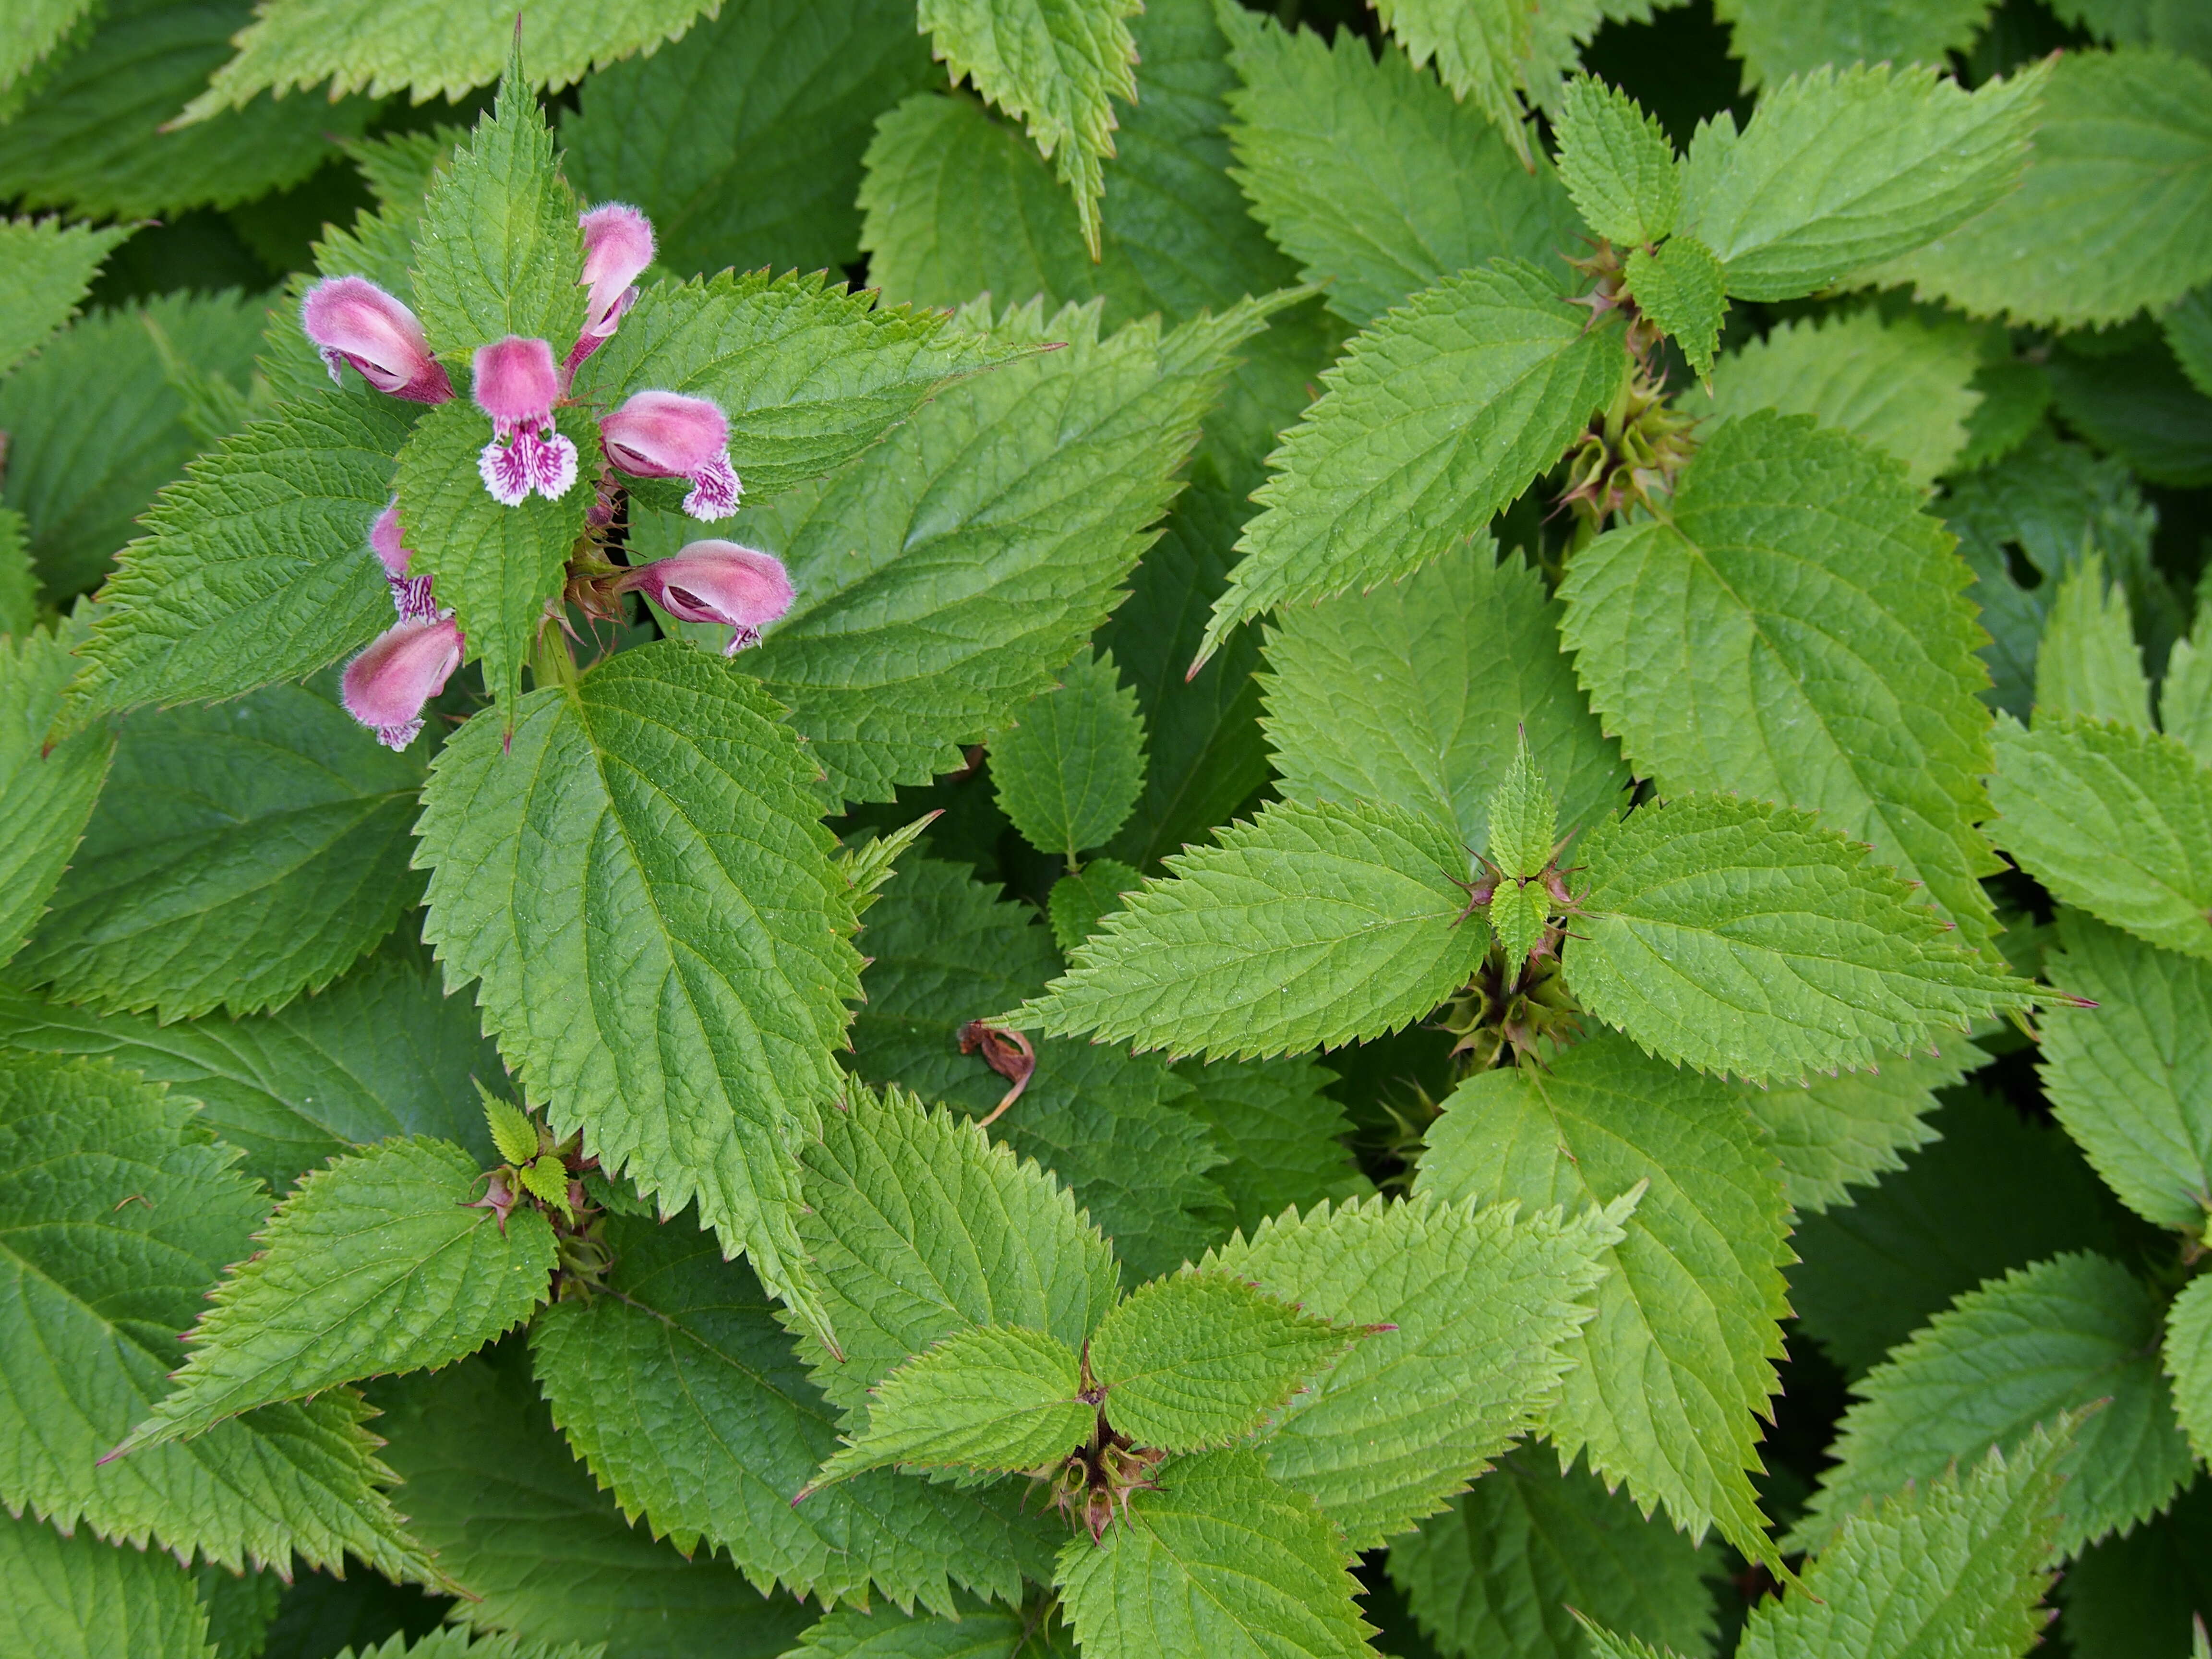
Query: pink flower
{"points": [[666, 435], [354, 321], [411, 595], [403, 668], [717, 583], [617, 246], [515, 385]]}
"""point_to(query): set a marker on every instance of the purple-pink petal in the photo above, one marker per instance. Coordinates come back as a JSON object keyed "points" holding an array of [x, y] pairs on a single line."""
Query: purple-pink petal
{"points": [[715, 581], [352, 320], [516, 383], [617, 247], [668, 434], [411, 595], [387, 685]]}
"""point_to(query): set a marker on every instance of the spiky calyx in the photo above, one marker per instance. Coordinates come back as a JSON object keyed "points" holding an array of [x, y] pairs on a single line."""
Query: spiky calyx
{"points": [[1508, 1014], [1092, 1484]]}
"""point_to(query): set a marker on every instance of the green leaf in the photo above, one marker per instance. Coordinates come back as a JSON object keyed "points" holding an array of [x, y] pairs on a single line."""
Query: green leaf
{"points": [[1285, 1138], [1068, 769], [1496, 1573], [1795, 599], [1523, 818], [1373, 177], [918, 1227], [255, 567], [45, 797], [2184, 701], [1050, 65], [239, 856], [2187, 1360], [1673, 1374], [1346, 924], [2114, 819], [992, 531], [2021, 1351], [77, 1598], [689, 1402], [743, 143], [1681, 290], [1435, 417], [2112, 214], [1486, 1302], [2129, 1070], [1477, 46], [1415, 693], [1200, 1359], [2015, 394], [36, 28], [989, 1400], [1616, 163], [2139, 1594], [1742, 938], [374, 1264], [118, 1213], [1218, 1559], [456, 1644], [2138, 404], [1777, 39], [512, 1132], [642, 886], [1839, 170], [1835, 1132], [2187, 326], [884, 1632], [48, 267], [19, 583], [540, 1550], [1081, 898], [430, 48], [2088, 663], [1901, 385]]}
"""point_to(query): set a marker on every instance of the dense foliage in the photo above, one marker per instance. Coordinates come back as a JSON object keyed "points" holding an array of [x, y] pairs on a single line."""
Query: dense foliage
{"points": [[1020, 827]]}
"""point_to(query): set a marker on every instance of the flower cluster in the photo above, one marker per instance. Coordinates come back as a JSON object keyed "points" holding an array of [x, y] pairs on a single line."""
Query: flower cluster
{"points": [[516, 382]]}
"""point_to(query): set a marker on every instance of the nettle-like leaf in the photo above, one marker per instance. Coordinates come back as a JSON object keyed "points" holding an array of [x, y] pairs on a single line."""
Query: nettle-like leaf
{"points": [[1052, 65], [1486, 1302], [48, 267], [883, 1632], [1347, 922], [77, 1598], [118, 1213], [1776, 40], [2187, 1357], [2114, 202], [1478, 48], [375, 1264], [1415, 692], [1373, 177], [1795, 598], [2184, 700], [1617, 163], [2129, 1069], [19, 583], [238, 855], [2089, 662], [1682, 290], [1672, 1375], [1837, 172], [45, 797], [2023, 1350], [1438, 416], [689, 1402], [2114, 819], [641, 883], [1835, 1132], [1743, 938], [36, 30], [1083, 898], [1068, 769], [1220, 1558], [1282, 1137]]}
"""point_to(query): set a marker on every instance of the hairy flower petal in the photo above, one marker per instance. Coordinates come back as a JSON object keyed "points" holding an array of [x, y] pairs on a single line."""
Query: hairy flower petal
{"points": [[387, 685], [667, 434], [352, 320], [713, 581]]}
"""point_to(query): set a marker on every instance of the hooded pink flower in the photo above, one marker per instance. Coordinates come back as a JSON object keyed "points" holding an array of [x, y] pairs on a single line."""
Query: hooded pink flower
{"points": [[666, 435], [515, 385], [717, 583], [351, 320], [403, 668], [411, 595], [618, 246]]}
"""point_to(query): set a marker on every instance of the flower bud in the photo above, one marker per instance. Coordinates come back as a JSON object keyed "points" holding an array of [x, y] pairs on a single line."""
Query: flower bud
{"points": [[387, 685], [352, 320], [515, 384], [411, 595], [717, 583], [667, 434], [618, 246]]}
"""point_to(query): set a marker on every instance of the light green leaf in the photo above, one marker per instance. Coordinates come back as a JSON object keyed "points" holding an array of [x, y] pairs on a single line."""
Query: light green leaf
{"points": [[1616, 162], [1285, 1138], [374, 1264], [1373, 177], [1670, 1378], [1050, 65], [1478, 45], [1434, 418], [1523, 818], [1795, 599], [642, 886], [2187, 326], [2184, 700], [256, 567], [452, 1642], [1220, 1559], [239, 856], [118, 1213], [1835, 1132], [2129, 1075], [1309, 927], [2021, 1351], [884, 1632], [2015, 395], [2138, 1595], [1487, 1302], [1494, 1576], [512, 1134], [19, 583], [2114, 819], [34, 29], [2187, 1361], [1068, 769], [1682, 290], [1777, 39], [45, 268], [1081, 898], [45, 797], [1899, 385], [2088, 663], [77, 1598], [1841, 170], [1415, 693], [1742, 938], [2115, 212]]}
